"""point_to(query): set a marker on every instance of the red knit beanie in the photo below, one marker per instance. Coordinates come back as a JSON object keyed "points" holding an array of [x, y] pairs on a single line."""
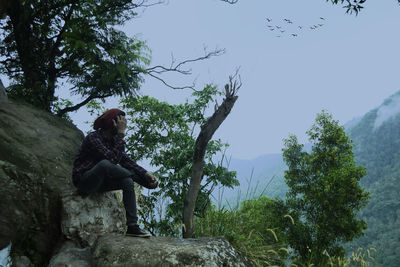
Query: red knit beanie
{"points": [[105, 121]]}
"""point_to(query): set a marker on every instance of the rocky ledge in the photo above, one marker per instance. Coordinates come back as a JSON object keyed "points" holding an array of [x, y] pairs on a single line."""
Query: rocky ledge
{"points": [[48, 225]]}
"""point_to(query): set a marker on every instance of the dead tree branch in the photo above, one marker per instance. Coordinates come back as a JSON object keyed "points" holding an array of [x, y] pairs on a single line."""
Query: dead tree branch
{"points": [[207, 131], [158, 70]]}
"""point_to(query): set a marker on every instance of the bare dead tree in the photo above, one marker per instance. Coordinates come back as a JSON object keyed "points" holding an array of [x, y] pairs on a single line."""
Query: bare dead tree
{"points": [[207, 131]]}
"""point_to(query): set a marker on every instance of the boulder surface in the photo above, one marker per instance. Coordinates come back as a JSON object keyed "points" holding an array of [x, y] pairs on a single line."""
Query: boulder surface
{"points": [[119, 251], [83, 219], [71, 255], [3, 93], [36, 155]]}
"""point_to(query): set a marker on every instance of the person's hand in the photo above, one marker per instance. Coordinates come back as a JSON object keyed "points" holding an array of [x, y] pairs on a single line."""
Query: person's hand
{"points": [[120, 124], [153, 182]]}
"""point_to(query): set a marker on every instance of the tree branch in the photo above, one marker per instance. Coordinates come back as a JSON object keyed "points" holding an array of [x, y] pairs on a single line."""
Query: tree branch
{"points": [[61, 112], [63, 29], [178, 68], [173, 87], [122, 6]]}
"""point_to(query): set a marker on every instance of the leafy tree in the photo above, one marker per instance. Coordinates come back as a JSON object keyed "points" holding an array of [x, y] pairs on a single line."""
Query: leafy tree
{"points": [[165, 135], [324, 195], [43, 42]]}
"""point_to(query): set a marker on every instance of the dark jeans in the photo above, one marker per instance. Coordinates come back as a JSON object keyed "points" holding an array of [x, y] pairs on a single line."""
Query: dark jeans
{"points": [[106, 176]]}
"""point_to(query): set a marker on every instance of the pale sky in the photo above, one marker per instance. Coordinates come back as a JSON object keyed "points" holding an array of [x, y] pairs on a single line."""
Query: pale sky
{"points": [[347, 66]]}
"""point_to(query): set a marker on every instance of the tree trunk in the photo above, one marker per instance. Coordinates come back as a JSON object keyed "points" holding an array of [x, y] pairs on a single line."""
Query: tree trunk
{"points": [[206, 133], [32, 65]]}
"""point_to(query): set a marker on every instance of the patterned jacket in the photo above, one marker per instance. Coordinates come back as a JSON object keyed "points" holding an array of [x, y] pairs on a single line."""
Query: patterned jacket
{"points": [[96, 147]]}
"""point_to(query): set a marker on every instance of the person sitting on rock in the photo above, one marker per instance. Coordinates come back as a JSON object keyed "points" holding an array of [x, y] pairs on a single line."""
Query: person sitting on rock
{"points": [[102, 165]]}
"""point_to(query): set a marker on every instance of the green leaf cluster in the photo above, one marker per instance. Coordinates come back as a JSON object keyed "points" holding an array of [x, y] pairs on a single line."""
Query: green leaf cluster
{"points": [[165, 135], [324, 192], [45, 42]]}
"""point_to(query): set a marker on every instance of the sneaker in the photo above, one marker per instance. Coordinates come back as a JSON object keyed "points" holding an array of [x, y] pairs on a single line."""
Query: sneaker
{"points": [[134, 230]]}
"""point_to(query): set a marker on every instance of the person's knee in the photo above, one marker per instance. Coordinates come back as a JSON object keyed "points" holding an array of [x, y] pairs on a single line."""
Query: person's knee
{"points": [[104, 167], [104, 163], [128, 184]]}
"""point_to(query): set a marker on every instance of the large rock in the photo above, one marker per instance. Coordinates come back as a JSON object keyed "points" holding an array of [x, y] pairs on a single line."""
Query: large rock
{"points": [[36, 155], [71, 255], [83, 219], [28, 211], [3, 93], [121, 251], [21, 261]]}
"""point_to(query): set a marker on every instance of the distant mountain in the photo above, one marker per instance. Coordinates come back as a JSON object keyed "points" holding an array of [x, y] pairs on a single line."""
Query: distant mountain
{"points": [[262, 175], [376, 138]]}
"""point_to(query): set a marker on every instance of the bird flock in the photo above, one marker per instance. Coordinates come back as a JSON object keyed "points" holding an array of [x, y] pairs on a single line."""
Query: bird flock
{"points": [[288, 28]]}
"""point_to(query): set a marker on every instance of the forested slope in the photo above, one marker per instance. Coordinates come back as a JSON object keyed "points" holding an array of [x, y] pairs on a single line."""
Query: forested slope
{"points": [[377, 147]]}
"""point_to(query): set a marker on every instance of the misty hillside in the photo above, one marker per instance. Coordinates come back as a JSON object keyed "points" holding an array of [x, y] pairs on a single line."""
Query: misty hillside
{"points": [[377, 147], [262, 175], [376, 137]]}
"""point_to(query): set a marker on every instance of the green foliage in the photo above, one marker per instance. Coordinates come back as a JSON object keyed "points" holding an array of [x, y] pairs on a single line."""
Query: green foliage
{"points": [[256, 229], [324, 194], [95, 109], [253, 229], [359, 258], [164, 134], [42, 42], [351, 6], [61, 103]]}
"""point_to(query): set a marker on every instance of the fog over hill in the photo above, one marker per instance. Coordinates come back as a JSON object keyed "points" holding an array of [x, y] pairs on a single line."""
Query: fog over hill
{"points": [[389, 108]]}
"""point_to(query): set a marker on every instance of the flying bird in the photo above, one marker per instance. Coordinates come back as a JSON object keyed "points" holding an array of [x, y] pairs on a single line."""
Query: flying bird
{"points": [[297, 28]]}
